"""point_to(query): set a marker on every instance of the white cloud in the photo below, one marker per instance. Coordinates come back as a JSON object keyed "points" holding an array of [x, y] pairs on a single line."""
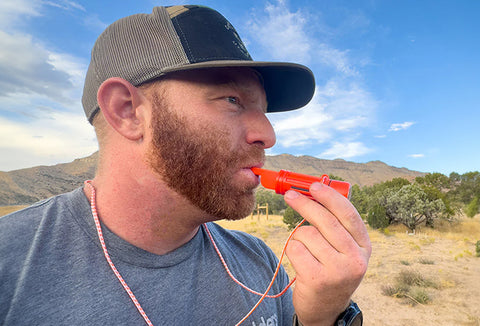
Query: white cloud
{"points": [[341, 106], [64, 4], [281, 29], [401, 126], [73, 66], [345, 150], [13, 12], [335, 110], [43, 128], [50, 138], [41, 118], [16, 12], [417, 155], [283, 36], [28, 67]]}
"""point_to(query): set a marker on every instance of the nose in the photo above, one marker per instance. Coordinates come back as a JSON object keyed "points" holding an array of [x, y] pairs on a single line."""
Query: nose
{"points": [[259, 129]]}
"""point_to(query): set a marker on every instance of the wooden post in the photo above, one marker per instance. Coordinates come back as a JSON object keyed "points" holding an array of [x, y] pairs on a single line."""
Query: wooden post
{"points": [[260, 207]]}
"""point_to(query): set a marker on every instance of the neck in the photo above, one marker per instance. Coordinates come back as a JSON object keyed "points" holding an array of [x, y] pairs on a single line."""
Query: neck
{"points": [[145, 213]]}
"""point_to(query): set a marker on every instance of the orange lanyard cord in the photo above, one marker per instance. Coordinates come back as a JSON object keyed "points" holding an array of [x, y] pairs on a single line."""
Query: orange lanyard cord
{"points": [[134, 299], [109, 260], [265, 294]]}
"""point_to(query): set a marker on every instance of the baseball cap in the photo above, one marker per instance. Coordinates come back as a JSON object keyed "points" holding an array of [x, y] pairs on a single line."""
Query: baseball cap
{"points": [[143, 47]]}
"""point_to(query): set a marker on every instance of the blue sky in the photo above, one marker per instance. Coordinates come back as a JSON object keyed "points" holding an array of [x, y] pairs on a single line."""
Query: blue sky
{"points": [[397, 81]]}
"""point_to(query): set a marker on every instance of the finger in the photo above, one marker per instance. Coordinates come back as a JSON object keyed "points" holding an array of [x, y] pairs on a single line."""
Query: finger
{"points": [[300, 257], [320, 217], [344, 210], [315, 243], [329, 225]]}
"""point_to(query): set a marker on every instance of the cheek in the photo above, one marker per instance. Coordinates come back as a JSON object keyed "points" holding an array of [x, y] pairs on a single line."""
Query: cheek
{"points": [[221, 136]]}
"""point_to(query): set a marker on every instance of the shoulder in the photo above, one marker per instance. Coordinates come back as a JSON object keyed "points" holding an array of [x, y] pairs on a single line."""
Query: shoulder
{"points": [[31, 216], [19, 229], [30, 235]]}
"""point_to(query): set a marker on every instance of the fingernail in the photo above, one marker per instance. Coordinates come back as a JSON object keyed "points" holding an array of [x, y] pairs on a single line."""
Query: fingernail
{"points": [[291, 194], [316, 186]]}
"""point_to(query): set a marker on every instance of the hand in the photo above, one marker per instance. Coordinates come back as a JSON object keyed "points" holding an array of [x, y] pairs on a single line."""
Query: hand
{"points": [[330, 257]]}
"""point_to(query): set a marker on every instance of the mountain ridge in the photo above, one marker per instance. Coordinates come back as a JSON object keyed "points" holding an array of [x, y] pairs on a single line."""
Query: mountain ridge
{"points": [[26, 186]]}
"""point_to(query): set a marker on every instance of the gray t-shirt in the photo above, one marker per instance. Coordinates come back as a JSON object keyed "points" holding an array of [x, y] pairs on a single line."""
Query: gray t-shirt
{"points": [[53, 272]]}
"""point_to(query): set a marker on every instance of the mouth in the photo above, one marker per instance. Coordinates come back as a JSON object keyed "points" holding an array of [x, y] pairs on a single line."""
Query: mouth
{"points": [[248, 174]]}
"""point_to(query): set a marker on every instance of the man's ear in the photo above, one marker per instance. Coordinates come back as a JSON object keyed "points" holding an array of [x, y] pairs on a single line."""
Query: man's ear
{"points": [[121, 104]]}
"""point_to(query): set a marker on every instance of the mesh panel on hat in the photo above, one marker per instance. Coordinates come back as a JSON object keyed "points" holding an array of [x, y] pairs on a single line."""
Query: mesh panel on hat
{"points": [[137, 48]]}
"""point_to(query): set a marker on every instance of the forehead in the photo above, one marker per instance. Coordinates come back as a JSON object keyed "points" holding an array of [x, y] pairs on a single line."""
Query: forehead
{"points": [[238, 77]]}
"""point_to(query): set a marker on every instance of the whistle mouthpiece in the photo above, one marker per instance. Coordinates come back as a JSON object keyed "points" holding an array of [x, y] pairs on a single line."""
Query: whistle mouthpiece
{"points": [[284, 180], [268, 178]]}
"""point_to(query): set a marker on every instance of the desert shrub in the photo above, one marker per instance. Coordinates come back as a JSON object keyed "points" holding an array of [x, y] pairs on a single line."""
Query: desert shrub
{"points": [[410, 285], [413, 278], [389, 291], [426, 261], [419, 295], [477, 248], [291, 218], [472, 208], [387, 232], [377, 217], [411, 206]]}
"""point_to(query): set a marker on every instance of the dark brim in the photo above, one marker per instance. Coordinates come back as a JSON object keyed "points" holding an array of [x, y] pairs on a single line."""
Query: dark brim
{"points": [[288, 86]]}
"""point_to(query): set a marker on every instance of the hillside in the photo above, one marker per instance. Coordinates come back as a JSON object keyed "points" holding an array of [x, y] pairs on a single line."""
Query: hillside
{"points": [[362, 174], [27, 186], [443, 259]]}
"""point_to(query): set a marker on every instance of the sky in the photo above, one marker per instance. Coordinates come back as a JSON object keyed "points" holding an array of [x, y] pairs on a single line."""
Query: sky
{"points": [[396, 81]]}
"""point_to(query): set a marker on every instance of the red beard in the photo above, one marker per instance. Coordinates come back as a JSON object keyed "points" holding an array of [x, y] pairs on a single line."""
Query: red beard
{"points": [[198, 163]]}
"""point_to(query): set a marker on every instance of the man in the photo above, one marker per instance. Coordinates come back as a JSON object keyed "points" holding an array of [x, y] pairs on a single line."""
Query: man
{"points": [[179, 111]]}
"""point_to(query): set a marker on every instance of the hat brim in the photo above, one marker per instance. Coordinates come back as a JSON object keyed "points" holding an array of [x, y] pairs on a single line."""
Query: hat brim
{"points": [[288, 86]]}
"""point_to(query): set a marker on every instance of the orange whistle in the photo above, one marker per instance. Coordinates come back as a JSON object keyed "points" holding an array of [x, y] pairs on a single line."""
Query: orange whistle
{"points": [[284, 180]]}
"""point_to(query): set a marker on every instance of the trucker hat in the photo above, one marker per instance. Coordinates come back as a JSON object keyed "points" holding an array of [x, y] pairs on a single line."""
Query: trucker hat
{"points": [[143, 47]]}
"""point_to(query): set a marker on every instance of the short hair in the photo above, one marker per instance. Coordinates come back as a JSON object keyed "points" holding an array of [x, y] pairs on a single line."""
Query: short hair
{"points": [[99, 122], [100, 126]]}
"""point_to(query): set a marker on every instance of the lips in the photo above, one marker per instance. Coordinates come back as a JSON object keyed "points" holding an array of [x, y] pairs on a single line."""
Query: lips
{"points": [[246, 176]]}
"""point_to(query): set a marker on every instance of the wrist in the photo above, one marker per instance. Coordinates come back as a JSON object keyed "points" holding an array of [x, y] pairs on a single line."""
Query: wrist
{"points": [[351, 316]]}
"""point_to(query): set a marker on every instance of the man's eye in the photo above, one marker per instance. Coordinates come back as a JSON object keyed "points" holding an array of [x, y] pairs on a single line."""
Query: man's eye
{"points": [[232, 100]]}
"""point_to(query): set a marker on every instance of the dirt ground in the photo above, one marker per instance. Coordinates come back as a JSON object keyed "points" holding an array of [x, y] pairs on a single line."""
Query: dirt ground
{"points": [[445, 256]]}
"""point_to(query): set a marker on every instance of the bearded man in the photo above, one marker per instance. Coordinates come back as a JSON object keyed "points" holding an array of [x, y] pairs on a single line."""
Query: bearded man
{"points": [[179, 109]]}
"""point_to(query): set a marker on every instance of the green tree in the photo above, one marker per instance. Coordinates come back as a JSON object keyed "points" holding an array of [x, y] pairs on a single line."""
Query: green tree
{"points": [[472, 208], [291, 218], [411, 206], [395, 183], [360, 199], [465, 187], [367, 197], [437, 180], [377, 217], [433, 193], [335, 177], [276, 203]]}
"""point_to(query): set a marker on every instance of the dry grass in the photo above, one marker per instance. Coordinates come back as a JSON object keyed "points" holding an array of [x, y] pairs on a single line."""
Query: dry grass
{"points": [[4, 210], [436, 269]]}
